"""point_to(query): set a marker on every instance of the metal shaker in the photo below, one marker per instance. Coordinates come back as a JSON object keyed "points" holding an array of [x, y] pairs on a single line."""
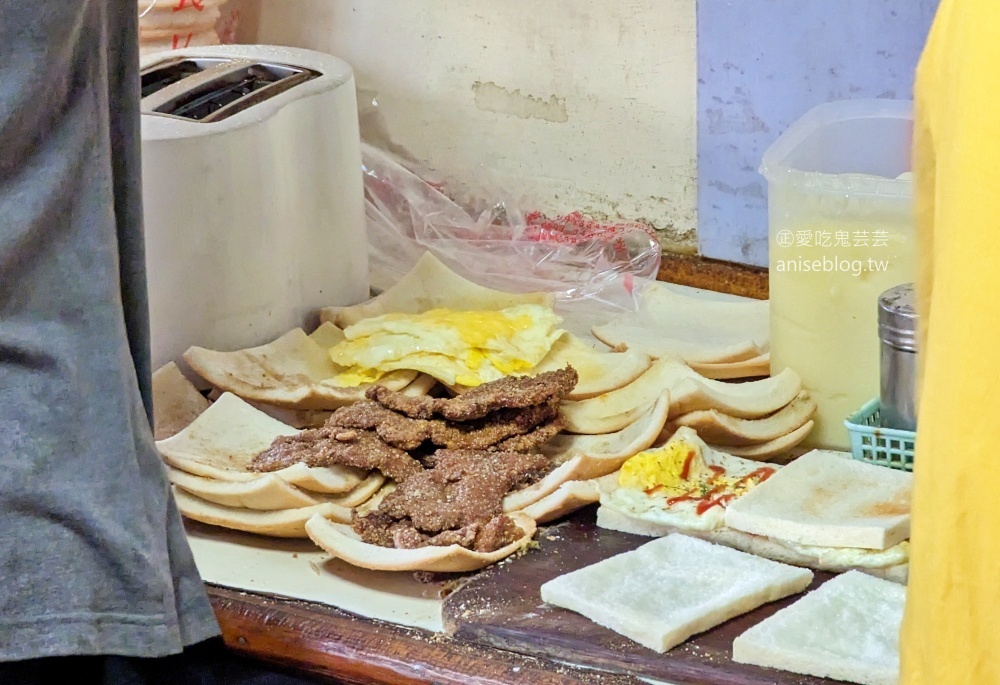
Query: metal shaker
{"points": [[897, 331]]}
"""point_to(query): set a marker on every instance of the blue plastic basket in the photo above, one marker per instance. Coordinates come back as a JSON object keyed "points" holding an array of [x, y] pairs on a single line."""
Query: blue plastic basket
{"points": [[876, 445]]}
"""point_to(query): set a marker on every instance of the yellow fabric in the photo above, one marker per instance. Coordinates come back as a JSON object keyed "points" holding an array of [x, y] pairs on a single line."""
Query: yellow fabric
{"points": [[951, 629]]}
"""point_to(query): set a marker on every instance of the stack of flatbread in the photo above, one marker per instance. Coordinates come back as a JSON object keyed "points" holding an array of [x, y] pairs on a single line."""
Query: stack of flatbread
{"points": [[173, 24], [719, 339], [207, 448], [761, 420]]}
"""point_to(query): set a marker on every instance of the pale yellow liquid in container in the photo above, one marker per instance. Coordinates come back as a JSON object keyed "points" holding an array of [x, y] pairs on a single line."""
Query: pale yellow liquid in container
{"points": [[824, 323]]}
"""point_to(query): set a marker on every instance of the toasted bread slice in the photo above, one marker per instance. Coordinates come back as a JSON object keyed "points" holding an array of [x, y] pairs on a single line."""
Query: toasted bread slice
{"points": [[826, 499]]}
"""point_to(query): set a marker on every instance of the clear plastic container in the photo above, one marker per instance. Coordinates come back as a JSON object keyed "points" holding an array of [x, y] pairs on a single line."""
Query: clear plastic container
{"points": [[841, 231]]}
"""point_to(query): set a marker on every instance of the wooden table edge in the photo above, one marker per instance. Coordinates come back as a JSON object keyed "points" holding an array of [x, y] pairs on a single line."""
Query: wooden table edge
{"points": [[324, 641]]}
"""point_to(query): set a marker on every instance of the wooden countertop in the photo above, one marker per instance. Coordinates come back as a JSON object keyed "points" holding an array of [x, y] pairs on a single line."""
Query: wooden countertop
{"points": [[326, 642]]}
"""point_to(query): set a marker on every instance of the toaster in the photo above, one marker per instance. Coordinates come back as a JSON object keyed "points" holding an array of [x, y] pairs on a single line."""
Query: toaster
{"points": [[252, 192]]}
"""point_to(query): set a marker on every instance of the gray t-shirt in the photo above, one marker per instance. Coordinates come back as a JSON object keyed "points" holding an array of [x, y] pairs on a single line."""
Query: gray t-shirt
{"points": [[93, 557]]}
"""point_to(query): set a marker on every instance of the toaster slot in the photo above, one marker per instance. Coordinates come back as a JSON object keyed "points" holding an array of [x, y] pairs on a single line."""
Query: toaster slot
{"points": [[212, 89]]}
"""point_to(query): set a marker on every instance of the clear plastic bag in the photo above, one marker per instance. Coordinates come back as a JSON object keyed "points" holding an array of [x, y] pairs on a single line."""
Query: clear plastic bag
{"points": [[590, 266]]}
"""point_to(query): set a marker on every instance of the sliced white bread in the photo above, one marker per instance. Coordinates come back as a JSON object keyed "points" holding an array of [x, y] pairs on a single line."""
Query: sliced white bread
{"points": [[294, 371], [847, 629], [826, 499], [718, 428], [891, 564], [664, 592]]}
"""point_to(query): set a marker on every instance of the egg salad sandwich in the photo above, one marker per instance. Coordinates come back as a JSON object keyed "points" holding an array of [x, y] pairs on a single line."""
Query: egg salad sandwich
{"points": [[823, 511]]}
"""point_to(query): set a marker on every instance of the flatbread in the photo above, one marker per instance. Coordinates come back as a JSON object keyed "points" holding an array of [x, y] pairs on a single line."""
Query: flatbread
{"points": [[847, 629], [614, 410], [697, 330], [766, 451], [376, 499], [176, 402], [296, 418], [221, 443], [314, 418], [421, 385], [717, 428], [322, 479], [361, 495], [431, 285], [599, 372], [294, 372], [575, 469], [664, 592], [690, 391], [756, 367], [286, 523], [342, 542], [567, 498], [612, 447], [270, 493], [826, 499]]}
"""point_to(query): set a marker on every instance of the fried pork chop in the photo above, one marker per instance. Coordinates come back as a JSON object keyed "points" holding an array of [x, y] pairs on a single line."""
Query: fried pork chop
{"points": [[331, 445], [459, 500], [408, 433], [512, 392]]}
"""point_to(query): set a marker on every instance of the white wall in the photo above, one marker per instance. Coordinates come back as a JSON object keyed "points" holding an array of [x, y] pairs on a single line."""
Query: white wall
{"points": [[570, 104]]}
